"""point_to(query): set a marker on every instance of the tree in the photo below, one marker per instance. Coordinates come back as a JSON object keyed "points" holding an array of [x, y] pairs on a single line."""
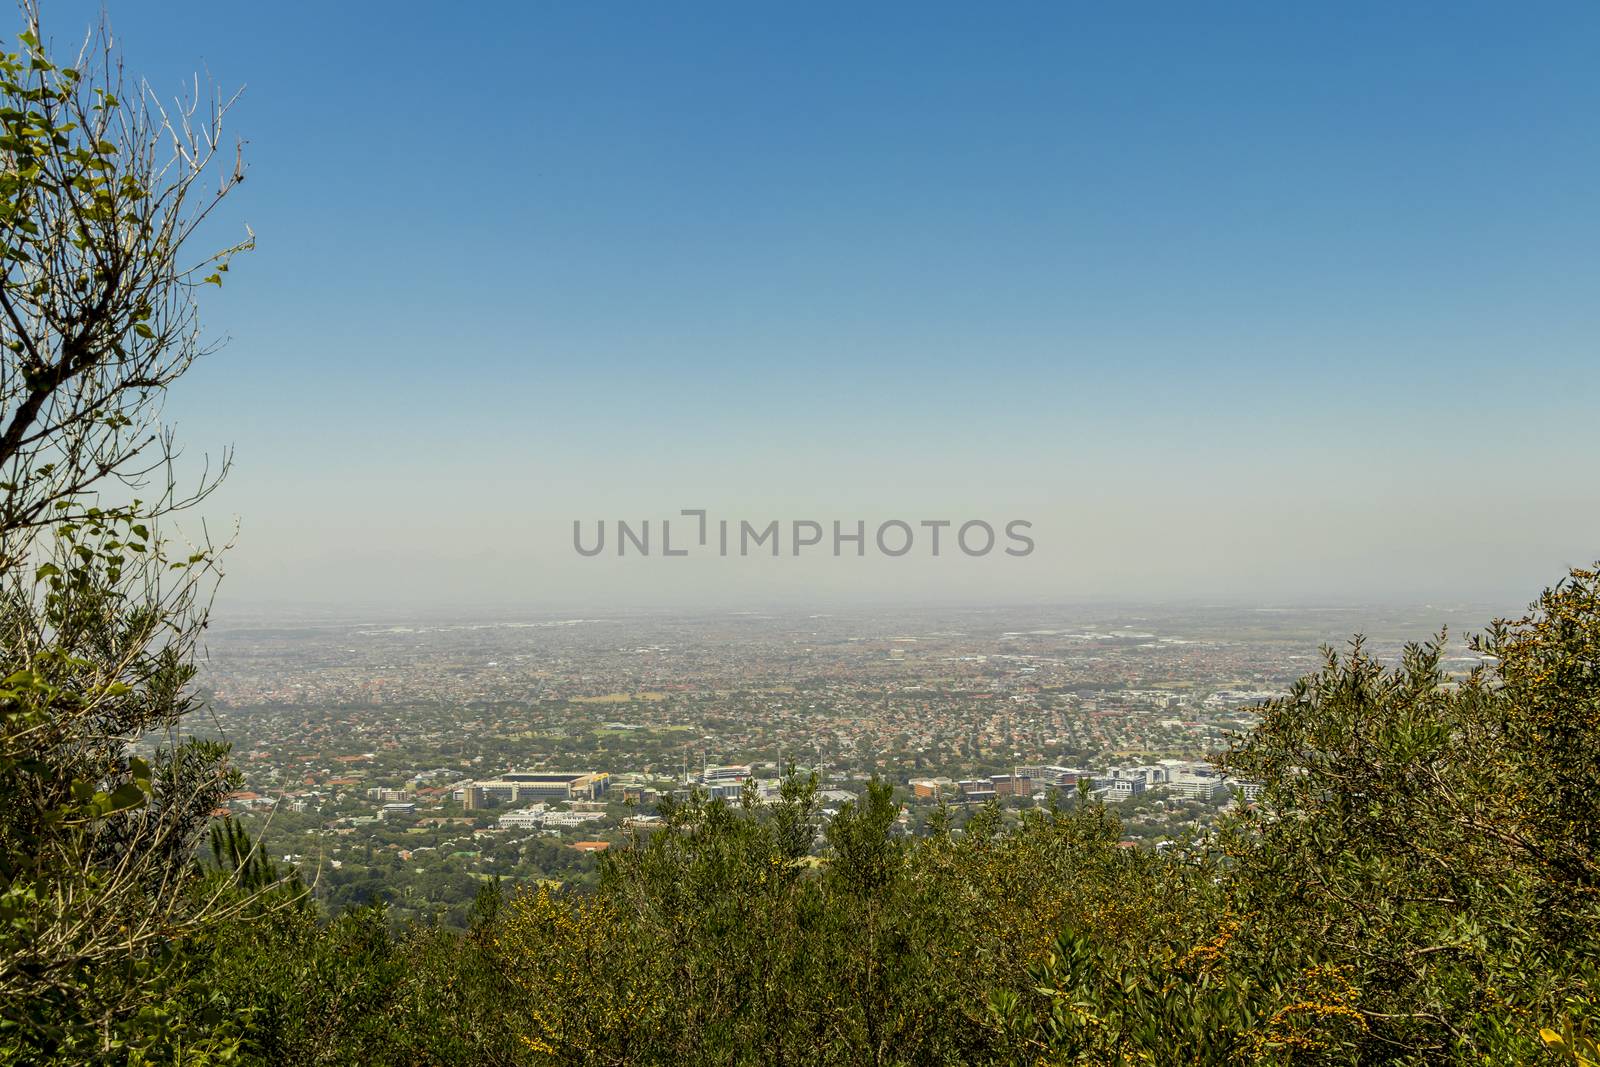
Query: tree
{"points": [[1415, 883], [104, 189]]}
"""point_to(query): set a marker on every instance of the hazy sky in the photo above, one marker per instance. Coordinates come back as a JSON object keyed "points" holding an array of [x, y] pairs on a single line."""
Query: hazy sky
{"points": [[1227, 300]]}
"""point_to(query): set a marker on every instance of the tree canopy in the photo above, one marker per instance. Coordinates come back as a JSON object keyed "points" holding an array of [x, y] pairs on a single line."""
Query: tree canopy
{"points": [[1415, 880]]}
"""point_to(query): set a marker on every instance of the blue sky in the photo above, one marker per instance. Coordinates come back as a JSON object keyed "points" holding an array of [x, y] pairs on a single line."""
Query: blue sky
{"points": [[1247, 300]]}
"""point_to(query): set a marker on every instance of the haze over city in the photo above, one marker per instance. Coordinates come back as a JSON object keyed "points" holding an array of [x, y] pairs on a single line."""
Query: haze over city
{"points": [[818, 535]]}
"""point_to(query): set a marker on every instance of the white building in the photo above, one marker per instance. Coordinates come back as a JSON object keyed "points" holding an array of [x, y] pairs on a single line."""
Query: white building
{"points": [[523, 818], [570, 818]]}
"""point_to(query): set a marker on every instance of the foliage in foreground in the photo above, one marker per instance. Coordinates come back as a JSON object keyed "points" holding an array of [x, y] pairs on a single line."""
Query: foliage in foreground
{"points": [[100, 192], [1415, 884]]}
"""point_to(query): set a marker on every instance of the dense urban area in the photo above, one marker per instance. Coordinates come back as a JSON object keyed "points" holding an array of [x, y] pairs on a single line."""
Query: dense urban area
{"points": [[409, 762]]}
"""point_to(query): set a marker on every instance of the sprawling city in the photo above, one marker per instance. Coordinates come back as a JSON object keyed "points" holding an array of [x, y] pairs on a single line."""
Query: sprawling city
{"points": [[799, 535], [404, 764]]}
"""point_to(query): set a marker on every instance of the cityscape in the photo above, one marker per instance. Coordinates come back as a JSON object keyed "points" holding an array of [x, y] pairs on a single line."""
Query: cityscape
{"points": [[651, 535], [406, 763]]}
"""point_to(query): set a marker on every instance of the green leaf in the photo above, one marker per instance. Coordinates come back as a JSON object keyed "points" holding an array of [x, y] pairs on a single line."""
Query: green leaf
{"points": [[127, 797]]}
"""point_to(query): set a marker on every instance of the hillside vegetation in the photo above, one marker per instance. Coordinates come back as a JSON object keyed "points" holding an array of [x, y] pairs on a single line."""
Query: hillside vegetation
{"points": [[1415, 884]]}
